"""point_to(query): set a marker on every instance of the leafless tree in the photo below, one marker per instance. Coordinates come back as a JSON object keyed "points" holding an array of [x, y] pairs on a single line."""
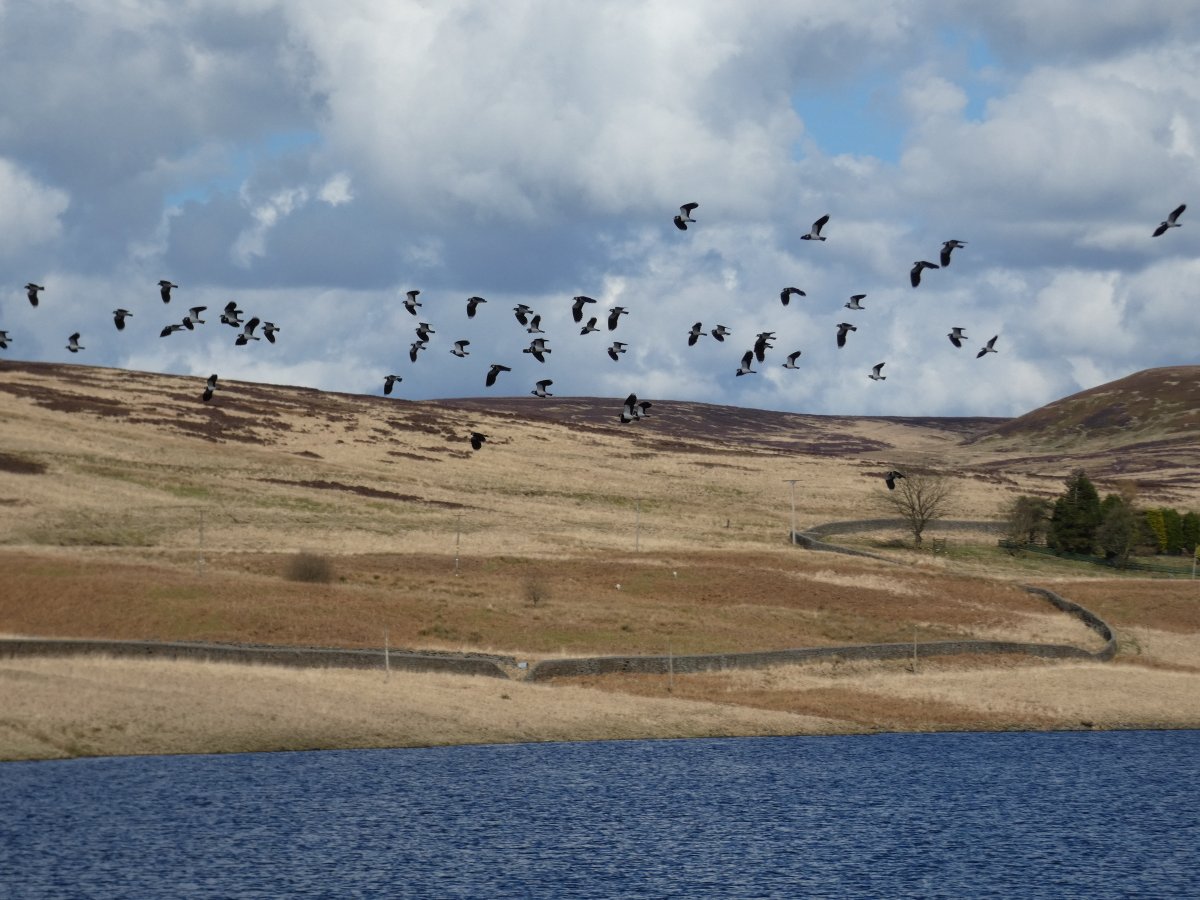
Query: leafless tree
{"points": [[920, 498]]}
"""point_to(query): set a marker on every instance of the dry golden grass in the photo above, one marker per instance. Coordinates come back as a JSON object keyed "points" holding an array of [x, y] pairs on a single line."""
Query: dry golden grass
{"points": [[130, 510]]}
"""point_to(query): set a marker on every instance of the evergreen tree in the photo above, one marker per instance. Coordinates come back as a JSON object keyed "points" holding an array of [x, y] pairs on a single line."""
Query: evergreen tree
{"points": [[1174, 525], [1118, 532], [1158, 528], [1076, 516], [1191, 532]]}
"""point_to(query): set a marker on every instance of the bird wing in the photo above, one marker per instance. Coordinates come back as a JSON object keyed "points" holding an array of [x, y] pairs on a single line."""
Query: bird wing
{"points": [[819, 224], [1176, 213], [687, 208]]}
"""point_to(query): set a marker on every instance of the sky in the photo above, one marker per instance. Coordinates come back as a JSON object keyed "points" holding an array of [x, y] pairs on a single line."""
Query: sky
{"points": [[313, 162]]}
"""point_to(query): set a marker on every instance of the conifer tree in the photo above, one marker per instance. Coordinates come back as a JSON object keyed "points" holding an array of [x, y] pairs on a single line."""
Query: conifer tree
{"points": [[1076, 516]]}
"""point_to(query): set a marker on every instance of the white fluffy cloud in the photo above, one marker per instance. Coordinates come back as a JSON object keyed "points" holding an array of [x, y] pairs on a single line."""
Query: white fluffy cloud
{"points": [[316, 161]]}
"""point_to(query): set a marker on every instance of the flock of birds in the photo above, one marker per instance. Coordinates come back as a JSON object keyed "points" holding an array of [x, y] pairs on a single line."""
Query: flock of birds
{"points": [[632, 409]]}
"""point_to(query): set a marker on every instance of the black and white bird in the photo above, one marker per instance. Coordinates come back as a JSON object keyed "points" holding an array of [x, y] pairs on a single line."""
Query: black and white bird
{"points": [[209, 387], [577, 306], [589, 327], [815, 234], [31, 291], [247, 332], [164, 290], [613, 315], [460, 348], [537, 349], [172, 328], [685, 216], [493, 371], [535, 325], [747, 359], [889, 478], [634, 409], [696, 332], [232, 315], [521, 311], [786, 294], [410, 301], [843, 329], [389, 381], [477, 440], [957, 336], [5, 337], [875, 372], [719, 333], [192, 319], [473, 305], [424, 330], [414, 348], [949, 247], [539, 388], [616, 350], [791, 360], [73, 343], [854, 303], [762, 344], [268, 330], [915, 275], [119, 317], [1171, 221], [989, 347]]}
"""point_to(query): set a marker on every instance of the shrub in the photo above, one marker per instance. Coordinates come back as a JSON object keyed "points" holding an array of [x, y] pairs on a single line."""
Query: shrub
{"points": [[310, 568]]}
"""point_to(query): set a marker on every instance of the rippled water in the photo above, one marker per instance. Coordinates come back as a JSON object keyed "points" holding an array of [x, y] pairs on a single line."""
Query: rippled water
{"points": [[951, 815]]}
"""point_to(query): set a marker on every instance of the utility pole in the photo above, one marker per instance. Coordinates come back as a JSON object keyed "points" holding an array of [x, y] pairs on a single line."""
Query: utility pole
{"points": [[637, 531], [200, 557], [792, 533], [457, 539]]}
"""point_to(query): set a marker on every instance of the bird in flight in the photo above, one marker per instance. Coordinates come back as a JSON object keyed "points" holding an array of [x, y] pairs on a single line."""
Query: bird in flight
{"points": [[424, 330], [634, 409], [31, 291], [5, 337], [613, 315], [521, 311], [875, 370], [815, 233], [171, 329], [209, 387], [73, 343], [119, 317], [889, 478], [269, 329], [685, 216], [956, 336], [414, 348], [495, 370], [460, 348], [389, 381], [247, 332], [843, 328], [192, 319], [947, 248], [537, 348], [616, 350], [535, 325], [539, 388], [232, 315], [853, 302], [477, 440], [989, 347], [915, 275], [696, 332], [791, 360], [410, 301], [589, 327], [786, 294], [719, 333], [747, 359], [577, 307], [164, 290], [762, 343], [472, 305], [1171, 221]]}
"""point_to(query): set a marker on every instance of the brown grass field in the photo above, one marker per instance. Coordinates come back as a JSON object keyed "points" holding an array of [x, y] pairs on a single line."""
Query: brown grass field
{"points": [[128, 509]]}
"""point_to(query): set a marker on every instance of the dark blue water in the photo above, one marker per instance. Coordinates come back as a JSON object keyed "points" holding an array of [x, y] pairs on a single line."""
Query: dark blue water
{"points": [[951, 815]]}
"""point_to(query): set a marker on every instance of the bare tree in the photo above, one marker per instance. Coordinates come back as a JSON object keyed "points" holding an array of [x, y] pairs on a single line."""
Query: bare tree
{"points": [[920, 498]]}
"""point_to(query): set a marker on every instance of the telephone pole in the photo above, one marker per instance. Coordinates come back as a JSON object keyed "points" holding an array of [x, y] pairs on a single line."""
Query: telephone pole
{"points": [[792, 533]]}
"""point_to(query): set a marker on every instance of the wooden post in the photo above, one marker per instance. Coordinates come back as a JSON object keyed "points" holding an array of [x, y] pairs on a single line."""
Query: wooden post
{"points": [[387, 657]]}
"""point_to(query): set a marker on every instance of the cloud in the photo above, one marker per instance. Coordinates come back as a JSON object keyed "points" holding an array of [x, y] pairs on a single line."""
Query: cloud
{"points": [[30, 211]]}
